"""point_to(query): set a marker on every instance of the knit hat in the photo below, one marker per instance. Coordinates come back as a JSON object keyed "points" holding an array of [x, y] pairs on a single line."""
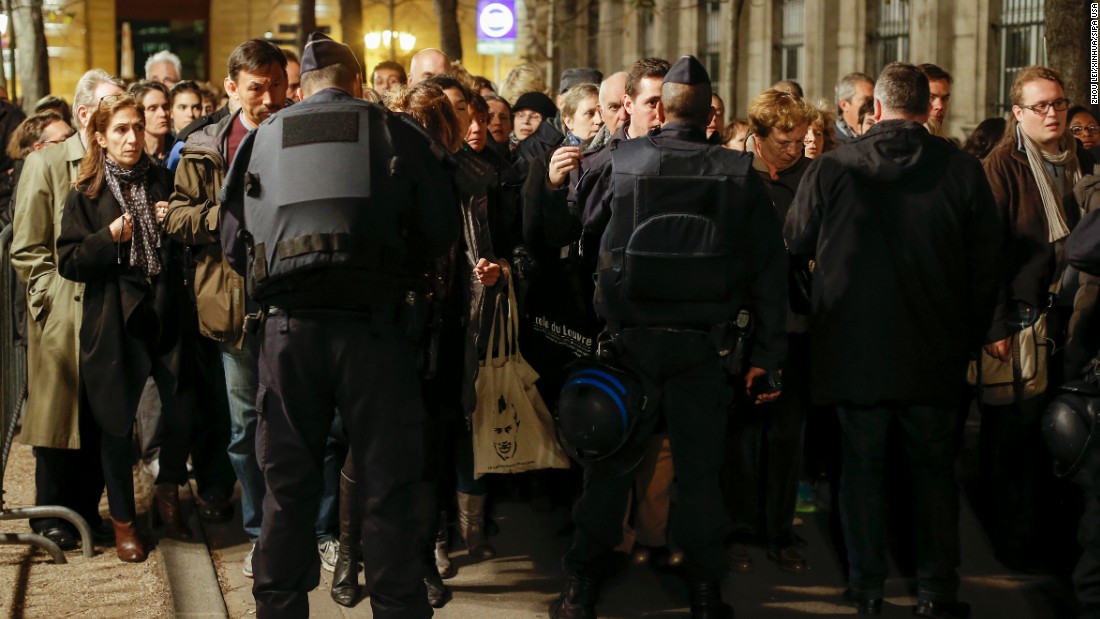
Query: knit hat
{"points": [[536, 101]]}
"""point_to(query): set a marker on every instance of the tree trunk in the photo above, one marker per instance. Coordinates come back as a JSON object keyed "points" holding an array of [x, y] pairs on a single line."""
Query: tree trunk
{"points": [[31, 60], [450, 38], [351, 25], [1067, 34], [307, 22]]}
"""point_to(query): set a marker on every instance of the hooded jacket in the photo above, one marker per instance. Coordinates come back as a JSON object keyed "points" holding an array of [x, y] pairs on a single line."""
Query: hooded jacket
{"points": [[908, 249]]}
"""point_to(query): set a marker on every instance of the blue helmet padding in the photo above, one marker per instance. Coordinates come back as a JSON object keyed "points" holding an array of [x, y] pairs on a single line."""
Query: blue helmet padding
{"points": [[614, 396], [611, 379]]}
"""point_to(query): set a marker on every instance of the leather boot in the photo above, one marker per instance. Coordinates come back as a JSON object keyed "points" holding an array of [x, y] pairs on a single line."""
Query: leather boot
{"points": [[471, 526], [706, 601], [578, 598], [438, 593], [170, 513], [127, 542], [345, 578], [443, 563]]}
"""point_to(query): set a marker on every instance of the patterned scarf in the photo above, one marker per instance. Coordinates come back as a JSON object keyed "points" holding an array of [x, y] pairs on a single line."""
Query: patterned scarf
{"points": [[1052, 204], [128, 186]]}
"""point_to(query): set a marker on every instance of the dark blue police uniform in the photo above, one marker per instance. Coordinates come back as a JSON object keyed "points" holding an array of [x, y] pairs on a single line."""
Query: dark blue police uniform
{"points": [[335, 215], [690, 237]]}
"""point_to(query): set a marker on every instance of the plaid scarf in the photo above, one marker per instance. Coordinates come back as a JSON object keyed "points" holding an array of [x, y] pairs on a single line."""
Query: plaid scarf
{"points": [[128, 186]]}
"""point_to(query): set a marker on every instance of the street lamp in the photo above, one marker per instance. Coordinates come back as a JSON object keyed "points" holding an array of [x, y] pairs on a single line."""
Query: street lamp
{"points": [[389, 39], [386, 38]]}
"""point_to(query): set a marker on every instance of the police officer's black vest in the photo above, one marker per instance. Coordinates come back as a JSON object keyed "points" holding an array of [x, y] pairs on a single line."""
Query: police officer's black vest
{"points": [[326, 203], [667, 256]]}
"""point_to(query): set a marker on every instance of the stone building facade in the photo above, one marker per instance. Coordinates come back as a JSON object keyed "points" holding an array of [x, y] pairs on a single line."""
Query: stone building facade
{"points": [[746, 44], [750, 44]]}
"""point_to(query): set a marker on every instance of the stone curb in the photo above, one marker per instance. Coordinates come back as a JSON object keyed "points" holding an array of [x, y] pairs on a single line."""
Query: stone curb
{"points": [[190, 573]]}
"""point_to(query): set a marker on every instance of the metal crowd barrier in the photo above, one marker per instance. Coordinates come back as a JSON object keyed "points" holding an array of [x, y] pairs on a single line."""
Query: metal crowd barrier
{"points": [[13, 395]]}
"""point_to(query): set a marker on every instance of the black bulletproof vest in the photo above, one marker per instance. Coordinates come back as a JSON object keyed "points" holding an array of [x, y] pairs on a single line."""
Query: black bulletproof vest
{"points": [[670, 254], [323, 202]]}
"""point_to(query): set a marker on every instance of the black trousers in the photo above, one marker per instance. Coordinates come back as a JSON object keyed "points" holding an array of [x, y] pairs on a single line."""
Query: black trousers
{"points": [[765, 456], [311, 364], [209, 417], [931, 443], [1016, 471], [693, 397], [70, 478], [1086, 576]]}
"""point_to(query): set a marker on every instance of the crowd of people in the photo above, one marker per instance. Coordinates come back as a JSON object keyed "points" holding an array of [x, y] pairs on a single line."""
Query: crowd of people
{"points": [[872, 258]]}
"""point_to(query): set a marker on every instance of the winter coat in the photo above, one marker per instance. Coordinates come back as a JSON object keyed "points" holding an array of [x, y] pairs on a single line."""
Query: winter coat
{"points": [[128, 320], [53, 302], [1031, 261], [908, 248], [192, 219], [467, 296]]}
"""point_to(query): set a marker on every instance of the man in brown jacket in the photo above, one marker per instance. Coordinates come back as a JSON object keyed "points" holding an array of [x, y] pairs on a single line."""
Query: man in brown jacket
{"points": [[1032, 173], [257, 80], [66, 446]]}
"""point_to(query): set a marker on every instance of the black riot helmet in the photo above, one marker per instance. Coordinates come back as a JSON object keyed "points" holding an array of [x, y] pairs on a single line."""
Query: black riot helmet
{"points": [[1071, 433], [602, 418]]}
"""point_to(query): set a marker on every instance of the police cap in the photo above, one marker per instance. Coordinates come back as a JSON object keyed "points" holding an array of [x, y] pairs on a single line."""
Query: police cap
{"points": [[688, 71], [322, 51]]}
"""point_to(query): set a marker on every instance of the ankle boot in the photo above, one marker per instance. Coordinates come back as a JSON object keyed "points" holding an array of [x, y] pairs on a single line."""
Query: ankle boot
{"points": [[127, 543], [578, 598], [706, 601], [345, 578], [443, 563], [471, 526], [438, 593], [170, 513]]}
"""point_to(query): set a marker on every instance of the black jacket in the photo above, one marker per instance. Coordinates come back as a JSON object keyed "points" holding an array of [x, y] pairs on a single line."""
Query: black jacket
{"points": [[908, 249], [128, 320]]}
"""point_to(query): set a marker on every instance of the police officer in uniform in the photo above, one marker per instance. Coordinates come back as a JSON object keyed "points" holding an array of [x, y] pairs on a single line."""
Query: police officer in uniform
{"points": [[335, 207], [692, 237]]}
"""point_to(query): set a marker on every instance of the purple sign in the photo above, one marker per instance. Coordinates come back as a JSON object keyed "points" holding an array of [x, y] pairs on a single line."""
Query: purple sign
{"points": [[496, 20]]}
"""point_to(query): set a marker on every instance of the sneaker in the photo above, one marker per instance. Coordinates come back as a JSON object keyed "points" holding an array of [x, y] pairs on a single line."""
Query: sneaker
{"points": [[327, 549], [246, 567], [807, 498]]}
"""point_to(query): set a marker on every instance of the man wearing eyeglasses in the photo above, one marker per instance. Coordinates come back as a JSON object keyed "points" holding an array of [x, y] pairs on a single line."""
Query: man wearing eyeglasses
{"points": [[1032, 174]]}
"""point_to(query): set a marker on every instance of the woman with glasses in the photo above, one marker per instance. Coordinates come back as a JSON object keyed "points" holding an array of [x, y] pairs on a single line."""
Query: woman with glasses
{"points": [[153, 96], [1083, 126], [778, 124], [111, 241]]}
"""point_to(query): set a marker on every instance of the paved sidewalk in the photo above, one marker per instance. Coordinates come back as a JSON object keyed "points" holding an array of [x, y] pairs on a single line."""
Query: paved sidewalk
{"points": [[526, 576], [522, 581]]}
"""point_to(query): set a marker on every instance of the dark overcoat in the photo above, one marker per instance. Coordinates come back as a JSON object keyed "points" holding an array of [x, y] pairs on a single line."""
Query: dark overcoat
{"points": [[129, 321]]}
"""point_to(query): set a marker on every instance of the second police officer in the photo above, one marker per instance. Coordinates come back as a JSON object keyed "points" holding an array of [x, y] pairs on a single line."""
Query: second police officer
{"points": [[691, 238], [335, 215]]}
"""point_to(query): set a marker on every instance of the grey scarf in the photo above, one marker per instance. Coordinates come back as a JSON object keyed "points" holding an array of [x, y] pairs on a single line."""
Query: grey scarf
{"points": [[1052, 203], [129, 187]]}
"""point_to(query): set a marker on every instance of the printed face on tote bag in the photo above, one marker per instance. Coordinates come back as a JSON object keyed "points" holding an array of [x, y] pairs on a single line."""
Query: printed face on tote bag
{"points": [[505, 430]]}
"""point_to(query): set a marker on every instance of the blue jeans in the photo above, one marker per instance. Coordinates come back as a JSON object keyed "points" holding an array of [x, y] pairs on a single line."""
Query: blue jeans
{"points": [[242, 382], [931, 441], [327, 525]]}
